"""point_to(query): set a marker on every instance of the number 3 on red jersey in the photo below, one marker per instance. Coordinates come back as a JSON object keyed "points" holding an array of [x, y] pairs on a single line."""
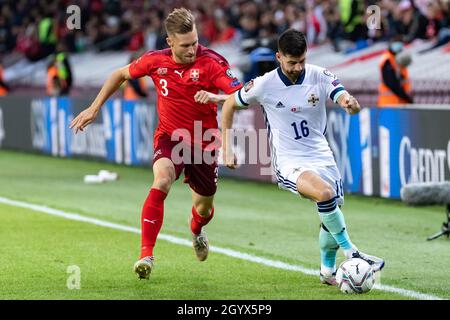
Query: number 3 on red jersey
{"points": [[164, 90]]}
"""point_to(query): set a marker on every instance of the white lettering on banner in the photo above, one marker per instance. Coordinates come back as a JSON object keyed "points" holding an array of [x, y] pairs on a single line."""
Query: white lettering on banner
{"points": [[448, 155], [91, 143], [38, 131], [107, 127], [117, 122], [2, 128], [340, 125], [426, 165], [127, 137], [54, 125], [385, 165], [112, 125], [62, 132], [143, 132], [366, 150]]}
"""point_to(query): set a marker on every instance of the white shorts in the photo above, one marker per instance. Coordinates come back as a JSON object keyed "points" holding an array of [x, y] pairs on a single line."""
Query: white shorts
{"points": [[287, 177]]}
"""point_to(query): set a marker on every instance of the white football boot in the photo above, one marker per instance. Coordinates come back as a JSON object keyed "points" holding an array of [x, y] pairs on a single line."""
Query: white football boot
{"points": [[328, 279], [201, 246], [200, 243], [143, 267], [376, 263]]}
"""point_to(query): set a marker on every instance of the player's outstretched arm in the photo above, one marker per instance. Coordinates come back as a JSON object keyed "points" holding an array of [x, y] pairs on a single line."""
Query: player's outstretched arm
{"points": [[205, 97], [113, 83], [349, 103], [228, 109]]}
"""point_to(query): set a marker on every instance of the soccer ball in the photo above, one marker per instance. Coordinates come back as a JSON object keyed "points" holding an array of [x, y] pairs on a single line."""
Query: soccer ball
{"points": [[355, 275]]}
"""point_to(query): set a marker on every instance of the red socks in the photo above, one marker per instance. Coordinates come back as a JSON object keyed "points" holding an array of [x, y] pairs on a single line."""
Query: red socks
{"points": [[151, 220], [198, 221]]}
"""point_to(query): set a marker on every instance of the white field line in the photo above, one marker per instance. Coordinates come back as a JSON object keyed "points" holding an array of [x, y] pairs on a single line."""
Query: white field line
{"points": [[225, 251]]}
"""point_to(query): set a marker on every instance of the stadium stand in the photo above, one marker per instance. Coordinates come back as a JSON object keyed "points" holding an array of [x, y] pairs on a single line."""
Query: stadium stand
{"points": [[111, 30]]}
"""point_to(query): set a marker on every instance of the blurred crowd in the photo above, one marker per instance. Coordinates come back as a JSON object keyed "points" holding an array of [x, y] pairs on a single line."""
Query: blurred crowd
{"points": [[37, 27]]}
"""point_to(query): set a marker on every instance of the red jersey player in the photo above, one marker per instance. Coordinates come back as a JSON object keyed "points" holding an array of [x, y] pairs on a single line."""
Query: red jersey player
{"points": [[188, 78]]}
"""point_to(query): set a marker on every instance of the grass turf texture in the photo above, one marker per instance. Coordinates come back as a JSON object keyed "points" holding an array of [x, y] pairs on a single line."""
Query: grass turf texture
{"points": [[250, 217]]}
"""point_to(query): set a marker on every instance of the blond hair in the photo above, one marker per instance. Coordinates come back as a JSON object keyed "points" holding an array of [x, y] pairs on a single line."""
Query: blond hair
{"points": [[180, 20]]}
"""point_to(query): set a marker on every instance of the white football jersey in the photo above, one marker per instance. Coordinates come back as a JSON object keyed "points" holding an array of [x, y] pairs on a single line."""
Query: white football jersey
{"points": [[295, 114]]}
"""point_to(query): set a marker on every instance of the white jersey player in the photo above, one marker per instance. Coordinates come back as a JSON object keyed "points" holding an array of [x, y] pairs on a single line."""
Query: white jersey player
{"points": [[293, 99], [296, 120]]}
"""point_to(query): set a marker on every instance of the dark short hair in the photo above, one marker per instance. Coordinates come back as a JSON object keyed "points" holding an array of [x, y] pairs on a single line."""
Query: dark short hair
{"points": [[292, 42]]}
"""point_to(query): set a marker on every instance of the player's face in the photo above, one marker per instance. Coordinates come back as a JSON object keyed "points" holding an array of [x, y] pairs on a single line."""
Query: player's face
{"points": [[291, 66], [184, 46]]}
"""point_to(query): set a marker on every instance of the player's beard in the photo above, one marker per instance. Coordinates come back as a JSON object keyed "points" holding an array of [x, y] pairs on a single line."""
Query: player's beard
{"points": [[189, 59], [294, 76], [185, 59]]}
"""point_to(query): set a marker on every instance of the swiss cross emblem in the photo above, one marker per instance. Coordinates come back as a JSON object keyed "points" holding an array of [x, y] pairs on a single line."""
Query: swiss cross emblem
{"points": [[162, 71], [195, 74], [313, 99]]}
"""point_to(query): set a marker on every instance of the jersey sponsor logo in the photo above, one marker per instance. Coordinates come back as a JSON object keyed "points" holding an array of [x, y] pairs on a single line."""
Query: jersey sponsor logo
{"points": [[329, 74], [180, 73], [313, 99], [336, 82], [235, 83], [280, 105], [296, 109], [248, 86], [230, 74], [195, 74], [161, 71]]}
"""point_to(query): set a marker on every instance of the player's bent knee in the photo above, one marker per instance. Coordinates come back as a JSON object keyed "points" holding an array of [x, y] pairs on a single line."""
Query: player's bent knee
{"points": [[326, 194], [163, 183], [203, 209]]}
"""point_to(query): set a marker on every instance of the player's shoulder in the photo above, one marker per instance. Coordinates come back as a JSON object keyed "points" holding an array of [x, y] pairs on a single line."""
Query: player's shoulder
{"points": [[261, 83], [156, 54], [314, 69], [317, 72], [268, 79], [208, 55]]}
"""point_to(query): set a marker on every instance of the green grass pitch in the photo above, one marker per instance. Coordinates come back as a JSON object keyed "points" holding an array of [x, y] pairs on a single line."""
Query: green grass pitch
{"points": [[253, 218]]}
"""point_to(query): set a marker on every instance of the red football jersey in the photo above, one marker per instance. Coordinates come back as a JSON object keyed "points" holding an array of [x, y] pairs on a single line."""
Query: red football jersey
{"points": [[176, 85]]}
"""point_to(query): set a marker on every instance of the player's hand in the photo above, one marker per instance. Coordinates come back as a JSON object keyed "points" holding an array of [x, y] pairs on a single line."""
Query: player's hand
{"points": [[230, 160], [351, 105], [83, 119], [205, 97]]}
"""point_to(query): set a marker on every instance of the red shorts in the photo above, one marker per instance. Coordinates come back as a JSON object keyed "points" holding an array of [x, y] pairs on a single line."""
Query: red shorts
{"points": [[200, 167]]}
